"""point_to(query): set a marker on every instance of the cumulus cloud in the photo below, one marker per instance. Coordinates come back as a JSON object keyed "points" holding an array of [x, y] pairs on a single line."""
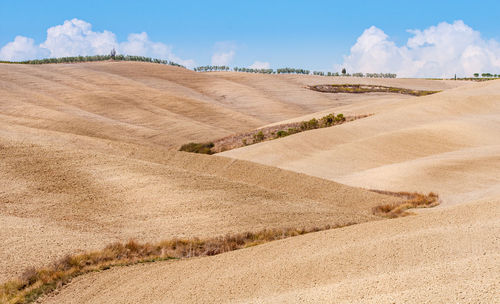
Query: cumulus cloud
{"points": [[21, 48], [75, 37], [224, 53], [438, 51], [260, 65]]}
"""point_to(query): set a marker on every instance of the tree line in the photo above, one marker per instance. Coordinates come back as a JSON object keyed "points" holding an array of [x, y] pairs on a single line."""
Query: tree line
{"points": [[487, 75], [96, 58], [249, 70], [212, 68]]}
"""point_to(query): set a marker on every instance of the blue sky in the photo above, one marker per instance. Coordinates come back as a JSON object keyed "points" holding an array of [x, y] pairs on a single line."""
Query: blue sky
{"points": [[309, 34]]}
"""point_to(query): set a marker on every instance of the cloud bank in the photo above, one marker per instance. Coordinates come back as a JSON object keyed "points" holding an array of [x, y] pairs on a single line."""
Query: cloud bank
{"points": [[438, 51], [224, 53], [260, 65], [75, 37]]}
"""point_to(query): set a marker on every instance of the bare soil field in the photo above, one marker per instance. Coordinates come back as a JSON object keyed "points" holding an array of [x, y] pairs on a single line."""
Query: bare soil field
{"points": [[85, 161], [159, 105], [55, 202], [447, 256], [448, 143], [87, 158]]}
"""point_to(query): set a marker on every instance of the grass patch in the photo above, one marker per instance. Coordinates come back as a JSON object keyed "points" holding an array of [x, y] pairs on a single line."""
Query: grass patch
{"points": [[37, 282], [203, 148], [365, 88], [410, 201], [268, 133]]}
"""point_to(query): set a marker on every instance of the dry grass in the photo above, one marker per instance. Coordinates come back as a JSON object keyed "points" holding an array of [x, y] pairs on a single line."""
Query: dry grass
{"points": [[410, 201], [37, 282], [365, 88]]}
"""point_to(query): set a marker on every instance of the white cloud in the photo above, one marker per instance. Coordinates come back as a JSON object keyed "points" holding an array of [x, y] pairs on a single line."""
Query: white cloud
{"points": [[139, 44], [442, 50], [75, 37], [260, 65], [224, 53], [19, 49]]}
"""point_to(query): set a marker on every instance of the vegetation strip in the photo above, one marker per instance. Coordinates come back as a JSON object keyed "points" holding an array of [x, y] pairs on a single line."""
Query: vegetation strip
{"points": [[470, 78], [37, 282], [34, 283], [365, 88], [410, 201], [94, 58], [268, 133]]}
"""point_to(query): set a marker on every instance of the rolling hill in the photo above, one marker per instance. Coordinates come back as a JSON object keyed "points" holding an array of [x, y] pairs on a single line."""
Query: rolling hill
{"points": [[88, 157]]}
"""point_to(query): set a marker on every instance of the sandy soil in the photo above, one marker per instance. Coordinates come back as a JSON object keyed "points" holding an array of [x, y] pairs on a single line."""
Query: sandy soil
{"points": [[450, 255], [77, 172], [447, 142], [54, 202], [155, 104], [85, 159]]}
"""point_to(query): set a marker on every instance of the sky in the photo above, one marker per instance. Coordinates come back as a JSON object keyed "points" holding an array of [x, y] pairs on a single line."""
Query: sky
{"points": [[410, 38]]}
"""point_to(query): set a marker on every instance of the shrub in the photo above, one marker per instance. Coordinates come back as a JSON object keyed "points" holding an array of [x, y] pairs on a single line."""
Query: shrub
{"points": [[282, 133], [327, 120], [259, 137], [309, 125], [203, 148]]}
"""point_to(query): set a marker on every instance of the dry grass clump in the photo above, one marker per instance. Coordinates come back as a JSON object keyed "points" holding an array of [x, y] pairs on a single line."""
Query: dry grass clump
{"points": [[411, 200], [365, 88], [37, 282], [203, 148]]}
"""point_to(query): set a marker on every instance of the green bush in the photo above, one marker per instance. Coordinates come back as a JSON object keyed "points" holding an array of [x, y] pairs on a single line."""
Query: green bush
{"points": [[327, 120], [309, 125], [282, 133], [203, 148], [258, 137]]}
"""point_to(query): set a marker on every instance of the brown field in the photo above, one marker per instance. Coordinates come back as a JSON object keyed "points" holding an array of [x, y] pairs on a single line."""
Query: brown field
{"points": [[87, 158]]}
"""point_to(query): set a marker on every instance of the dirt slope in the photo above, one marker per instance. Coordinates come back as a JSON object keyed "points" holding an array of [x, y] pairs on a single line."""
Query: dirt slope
{"points": [[155, 104], [83, 163], [446, 256], [55, 201], [447, 142]]}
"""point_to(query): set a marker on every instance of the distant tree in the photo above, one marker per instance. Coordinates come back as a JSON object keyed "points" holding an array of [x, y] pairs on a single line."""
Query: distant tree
{"points": [[113, 54], [344, 71]]}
